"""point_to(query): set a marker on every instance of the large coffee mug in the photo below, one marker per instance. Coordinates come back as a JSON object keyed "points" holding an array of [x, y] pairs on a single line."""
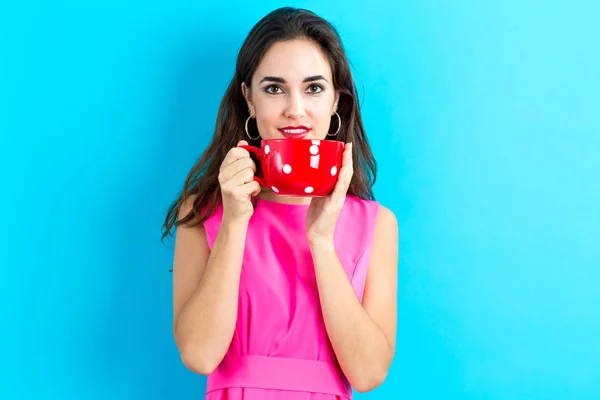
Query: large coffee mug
{"points": [[299, 167]]}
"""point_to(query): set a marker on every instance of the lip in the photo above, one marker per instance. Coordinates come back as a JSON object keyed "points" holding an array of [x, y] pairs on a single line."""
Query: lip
{"points": [[300, 135]]}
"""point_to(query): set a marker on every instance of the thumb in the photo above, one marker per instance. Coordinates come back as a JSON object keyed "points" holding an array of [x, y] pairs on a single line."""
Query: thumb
{"points": [[242, 143]]}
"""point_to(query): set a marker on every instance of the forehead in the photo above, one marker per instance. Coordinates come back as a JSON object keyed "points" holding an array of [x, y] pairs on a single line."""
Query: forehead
{"points": [[294, 60]]}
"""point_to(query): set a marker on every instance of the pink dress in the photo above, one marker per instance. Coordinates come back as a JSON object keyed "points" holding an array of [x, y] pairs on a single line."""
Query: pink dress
{"points": [[280, 348]]}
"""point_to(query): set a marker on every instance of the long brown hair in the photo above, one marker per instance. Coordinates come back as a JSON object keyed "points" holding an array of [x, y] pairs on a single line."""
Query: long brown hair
{"points": [[283, 24]]}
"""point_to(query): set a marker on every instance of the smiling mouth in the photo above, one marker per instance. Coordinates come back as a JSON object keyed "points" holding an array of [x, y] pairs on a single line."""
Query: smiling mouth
{"points": [[295, 132]]}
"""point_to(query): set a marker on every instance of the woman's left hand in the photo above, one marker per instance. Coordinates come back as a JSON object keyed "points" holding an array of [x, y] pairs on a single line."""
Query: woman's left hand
{"points": [[324, 211]]}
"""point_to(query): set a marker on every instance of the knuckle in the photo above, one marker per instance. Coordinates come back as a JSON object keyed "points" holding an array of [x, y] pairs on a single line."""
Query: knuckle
{"points": [[239, 152], [226, 188], [239, 169], [231, 154], [242, 175]]}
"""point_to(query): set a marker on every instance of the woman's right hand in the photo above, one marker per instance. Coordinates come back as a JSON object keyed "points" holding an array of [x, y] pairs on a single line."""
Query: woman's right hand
{"points": [[236, 178]]}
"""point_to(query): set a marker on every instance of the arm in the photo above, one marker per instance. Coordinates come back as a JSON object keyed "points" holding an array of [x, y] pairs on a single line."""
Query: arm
{"points": [[206, 284], [205, 293], [362, 336]]}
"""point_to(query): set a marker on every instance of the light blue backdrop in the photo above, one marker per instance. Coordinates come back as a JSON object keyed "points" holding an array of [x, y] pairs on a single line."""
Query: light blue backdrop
{"points": [[484, 118]]}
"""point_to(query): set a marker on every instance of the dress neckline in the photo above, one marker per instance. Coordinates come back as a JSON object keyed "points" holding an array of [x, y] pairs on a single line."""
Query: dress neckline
{"points": [[284, 205]]}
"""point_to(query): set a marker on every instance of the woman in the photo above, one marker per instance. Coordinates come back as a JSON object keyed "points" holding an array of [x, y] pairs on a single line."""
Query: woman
{"points": [[279, 297]]}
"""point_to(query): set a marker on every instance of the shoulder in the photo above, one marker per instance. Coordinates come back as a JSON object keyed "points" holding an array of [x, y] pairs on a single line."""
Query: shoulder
{"points": [[187, 205], [203, 218], [385, 235], [200, 212], [386, 219]]}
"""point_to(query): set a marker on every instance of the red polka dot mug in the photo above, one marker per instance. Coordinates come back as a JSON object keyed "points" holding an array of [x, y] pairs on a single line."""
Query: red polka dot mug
{"points": [[299, 167]]}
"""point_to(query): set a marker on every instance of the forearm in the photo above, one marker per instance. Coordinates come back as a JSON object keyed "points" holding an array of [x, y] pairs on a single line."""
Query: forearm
{"points": [[206, 323], [361, 347]]}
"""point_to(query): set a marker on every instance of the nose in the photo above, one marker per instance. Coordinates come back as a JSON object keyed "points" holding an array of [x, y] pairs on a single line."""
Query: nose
{"points": [[295, 106]]}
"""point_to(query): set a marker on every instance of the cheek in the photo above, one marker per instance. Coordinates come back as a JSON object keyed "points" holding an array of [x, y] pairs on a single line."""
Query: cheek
{"points": [[268, 117], [320, 110], [266, 108], [322, 117], [321, 123]]}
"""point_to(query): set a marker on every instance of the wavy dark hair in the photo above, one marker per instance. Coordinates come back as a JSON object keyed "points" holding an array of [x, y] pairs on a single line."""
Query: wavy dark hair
{"points": [[283, 24]]}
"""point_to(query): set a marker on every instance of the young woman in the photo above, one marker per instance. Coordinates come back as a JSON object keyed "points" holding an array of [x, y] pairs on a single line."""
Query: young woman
{"points": [[279, 297]]}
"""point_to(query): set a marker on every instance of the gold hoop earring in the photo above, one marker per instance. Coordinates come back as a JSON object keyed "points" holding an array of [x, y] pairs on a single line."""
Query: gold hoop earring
{"points": [[247, 133], [339, 125]]}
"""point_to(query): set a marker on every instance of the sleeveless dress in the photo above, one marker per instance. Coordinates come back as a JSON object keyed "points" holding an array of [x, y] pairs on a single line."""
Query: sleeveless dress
{"points": [[280, 348]]}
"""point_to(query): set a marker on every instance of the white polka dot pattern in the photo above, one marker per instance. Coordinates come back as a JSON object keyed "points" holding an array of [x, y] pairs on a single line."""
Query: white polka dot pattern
{"points": [[287, 168], [333, 170], [309, 189], [267, 149]]}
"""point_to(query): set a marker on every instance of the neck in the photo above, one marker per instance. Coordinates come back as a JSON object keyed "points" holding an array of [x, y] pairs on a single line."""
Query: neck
{"points": [[269, 195]]}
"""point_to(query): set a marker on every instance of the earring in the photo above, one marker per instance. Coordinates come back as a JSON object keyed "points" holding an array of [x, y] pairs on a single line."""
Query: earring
{"points": [[339, 125], [247, 133]]}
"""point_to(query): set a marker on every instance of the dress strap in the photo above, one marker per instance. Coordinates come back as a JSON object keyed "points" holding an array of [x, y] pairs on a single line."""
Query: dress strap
{"points": [[250, 371]]}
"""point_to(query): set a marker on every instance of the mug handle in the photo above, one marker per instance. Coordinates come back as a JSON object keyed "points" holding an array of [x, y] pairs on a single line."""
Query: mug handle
{"points": [[256, 152]]}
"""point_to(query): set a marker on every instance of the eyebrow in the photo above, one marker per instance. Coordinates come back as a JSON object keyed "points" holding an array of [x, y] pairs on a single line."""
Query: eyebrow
{"points": [[281, 80]]}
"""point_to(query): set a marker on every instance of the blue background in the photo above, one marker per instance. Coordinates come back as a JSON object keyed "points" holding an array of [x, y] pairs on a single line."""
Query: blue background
{"points": [[484, 118]]}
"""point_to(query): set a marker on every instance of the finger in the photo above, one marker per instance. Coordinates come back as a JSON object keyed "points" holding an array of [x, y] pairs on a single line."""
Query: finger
{"points": [[347, 165], [350, 162], [341, 186], [233, 155], [244, 192], [252, 189], [345, 176], [243, 177], [347, 155], [235, 167]]}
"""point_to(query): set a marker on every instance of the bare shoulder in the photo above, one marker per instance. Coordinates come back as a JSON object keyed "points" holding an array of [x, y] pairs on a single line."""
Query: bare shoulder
{"points": [[385, 240], [188, 238], [386, 221], [186, 206]]}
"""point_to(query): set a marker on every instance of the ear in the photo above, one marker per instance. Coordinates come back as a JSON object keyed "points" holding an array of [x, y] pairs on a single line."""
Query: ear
{"points": [[335, 103], [247, 96]]}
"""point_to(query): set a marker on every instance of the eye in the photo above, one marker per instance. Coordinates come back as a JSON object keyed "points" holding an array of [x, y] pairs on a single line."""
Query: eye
{"points": [[314, 89], [272, 89]]}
